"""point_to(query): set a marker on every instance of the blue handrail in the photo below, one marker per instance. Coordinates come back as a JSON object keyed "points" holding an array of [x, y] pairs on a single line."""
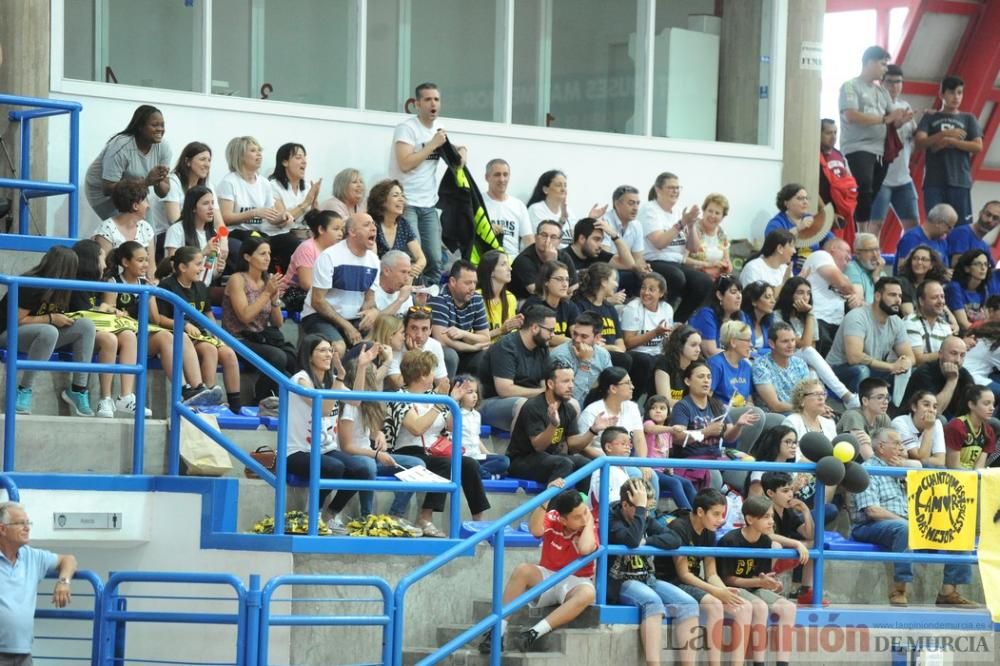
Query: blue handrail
{"points": [[604, 550], [267, 620], [13, 495], [91, 614], [43, 108], [183, 312]]}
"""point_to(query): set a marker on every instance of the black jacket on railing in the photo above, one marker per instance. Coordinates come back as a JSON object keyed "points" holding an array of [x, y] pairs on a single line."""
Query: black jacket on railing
{"points": [[465, 224]]}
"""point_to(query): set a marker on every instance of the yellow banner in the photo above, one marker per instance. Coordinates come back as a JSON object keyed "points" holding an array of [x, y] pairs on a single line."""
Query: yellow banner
{"points": [[989, 540], [942, 509]]}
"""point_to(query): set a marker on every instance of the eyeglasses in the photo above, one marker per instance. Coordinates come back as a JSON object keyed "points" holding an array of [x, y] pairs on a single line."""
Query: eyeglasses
{"points": [[547, 236], [20, 523], [913, 259], [879, 396], [816, 394], [803, 198], [625, 382], [560, 278], [546, 328], [866, 249], [980, 264], [672, 188]]}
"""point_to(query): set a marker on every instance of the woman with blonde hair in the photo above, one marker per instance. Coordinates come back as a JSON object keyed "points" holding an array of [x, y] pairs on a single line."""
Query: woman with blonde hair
{"points": [[712, 258], [348, 194]]}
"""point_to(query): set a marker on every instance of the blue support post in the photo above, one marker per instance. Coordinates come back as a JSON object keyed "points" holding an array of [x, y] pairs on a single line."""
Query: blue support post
{"points": [[252, 609], [10, 400], [142, 358], [498, 585], [22, 201], [282, 467], [174, 440], [819, 528], [455, 506], [602, 563], [316, 420], [74, 171]]}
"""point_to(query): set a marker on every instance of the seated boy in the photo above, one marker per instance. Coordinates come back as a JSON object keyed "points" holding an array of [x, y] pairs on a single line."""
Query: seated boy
{"points": [[697, 528], [631, 580], [566, 528], [616, 441], [792, 520], [756, 583]]}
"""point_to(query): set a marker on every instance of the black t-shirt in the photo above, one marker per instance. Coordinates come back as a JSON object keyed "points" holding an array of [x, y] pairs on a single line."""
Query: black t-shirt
{"points": [[583, 263], [533, 419], [743, 567], [787, 523], [566, 313], [32, 300], [928, 376], [611, 329], [524, 270], [128, 302], [82, 300], [510, 359], [196, 296], [665, 569]]}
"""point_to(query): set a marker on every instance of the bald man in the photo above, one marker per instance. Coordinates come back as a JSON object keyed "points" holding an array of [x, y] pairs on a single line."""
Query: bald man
{"points": [[945, 376], [831, 288]]}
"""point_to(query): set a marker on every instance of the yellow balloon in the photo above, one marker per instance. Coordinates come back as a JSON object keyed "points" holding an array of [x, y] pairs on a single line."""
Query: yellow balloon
{"points": [[843, 452]]}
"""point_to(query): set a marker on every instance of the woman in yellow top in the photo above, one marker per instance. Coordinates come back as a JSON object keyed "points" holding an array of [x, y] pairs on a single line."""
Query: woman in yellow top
{"points": [[501, 306]]}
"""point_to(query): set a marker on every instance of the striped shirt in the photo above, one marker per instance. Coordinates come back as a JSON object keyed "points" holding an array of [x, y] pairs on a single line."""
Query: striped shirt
{"points": [[445, 312], [924, 337], [883, 491]]}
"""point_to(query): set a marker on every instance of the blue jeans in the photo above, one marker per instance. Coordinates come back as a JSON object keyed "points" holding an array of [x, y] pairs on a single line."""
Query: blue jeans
{"points": [[960, 199], [427, 223], [902, 198], [853, 375], [657, 597], [333, 464], [893, 535], [680, 489], [494, 465], [400, 501]]}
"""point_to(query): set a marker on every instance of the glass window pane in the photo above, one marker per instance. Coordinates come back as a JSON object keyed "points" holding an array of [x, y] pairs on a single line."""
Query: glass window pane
{"points": [[78, 51], [451, 43], [845, 37], [576, 72], [294, 53], [168, 56]]}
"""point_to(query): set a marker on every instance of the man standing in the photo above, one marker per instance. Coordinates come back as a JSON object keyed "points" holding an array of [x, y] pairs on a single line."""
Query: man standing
{"points": [[416, 145], [836, 184], [870, 336], [22, 567], [865, 269], [928, 325], [459, 321], [881, 518], [970, 236], [508, 214], [777, 373], [341, 303], [950, 137], [546, 444], [513, 369], [864, 114], [934, 232], [945, 376], [582, 353], [897, 188], [524, 271], [831, 289]]}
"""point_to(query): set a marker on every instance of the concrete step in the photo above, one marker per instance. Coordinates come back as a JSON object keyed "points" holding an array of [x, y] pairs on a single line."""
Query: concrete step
{"points": [[473, 658], [529, 616]]}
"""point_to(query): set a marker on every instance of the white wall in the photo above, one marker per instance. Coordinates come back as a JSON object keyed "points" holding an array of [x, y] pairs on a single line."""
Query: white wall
{"points": [[172, 523], [337, 138]]}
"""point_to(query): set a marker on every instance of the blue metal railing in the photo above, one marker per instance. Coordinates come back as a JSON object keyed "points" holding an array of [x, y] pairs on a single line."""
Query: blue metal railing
{"points": [[8, 484], [183, 313], [602, 465], [31, 189], [267, 620], [90, 615]]}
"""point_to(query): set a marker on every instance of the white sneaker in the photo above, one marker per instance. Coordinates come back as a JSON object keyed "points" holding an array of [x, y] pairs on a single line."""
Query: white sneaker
{"points": [[336, 526], [126, 405], [106, 408]]}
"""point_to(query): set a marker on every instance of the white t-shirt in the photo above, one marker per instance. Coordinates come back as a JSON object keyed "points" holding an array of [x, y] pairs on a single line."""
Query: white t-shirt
{"points": [[617, 477], [175, 237], [345, 276], [383, 299], [652, 217], [898, 172], [796, 423], [406, 438], [539, 211], [157, 213], [472, 446], [108, 230], [757, 270], [420, 184], [628, 418], [360, 432], [632, 234], [289, 198], [247, 196], [636, 318], [981, 362], [903, 424], [432, 346], [828, 304], [300, 422], [512, 215]]}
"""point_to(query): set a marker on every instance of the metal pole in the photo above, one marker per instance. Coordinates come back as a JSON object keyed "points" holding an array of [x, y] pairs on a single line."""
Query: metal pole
{"points": [[74, 172], [10, 402], [142, 358]]}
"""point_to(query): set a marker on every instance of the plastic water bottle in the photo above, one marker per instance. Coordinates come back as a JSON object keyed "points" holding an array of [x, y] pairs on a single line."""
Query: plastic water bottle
{"points": [[221, 234]]}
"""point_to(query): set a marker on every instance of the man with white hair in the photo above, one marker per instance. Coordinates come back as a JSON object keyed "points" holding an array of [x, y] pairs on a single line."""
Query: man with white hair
{"points": [[22, 567], [941, 219], [394, 288], [865, 268]]}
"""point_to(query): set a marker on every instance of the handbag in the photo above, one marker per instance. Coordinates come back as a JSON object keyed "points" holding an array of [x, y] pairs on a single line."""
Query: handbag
{"points": [[441, 447], [201, 455], [266, 456]]}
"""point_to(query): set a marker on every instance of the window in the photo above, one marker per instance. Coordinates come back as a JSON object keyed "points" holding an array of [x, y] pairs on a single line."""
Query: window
{"points": [[447, 42]]}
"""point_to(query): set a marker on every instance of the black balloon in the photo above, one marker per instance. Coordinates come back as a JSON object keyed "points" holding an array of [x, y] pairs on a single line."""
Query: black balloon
{"points": [[815, 446], [856, 477], [830, 471]]}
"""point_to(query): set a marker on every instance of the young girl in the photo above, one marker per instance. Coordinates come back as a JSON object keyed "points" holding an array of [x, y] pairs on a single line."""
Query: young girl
{"points": [[186, 266], [128, 264], [43, 327], [778, 444], [491, 465], [197, 228], [659, 436], [112, 340]]}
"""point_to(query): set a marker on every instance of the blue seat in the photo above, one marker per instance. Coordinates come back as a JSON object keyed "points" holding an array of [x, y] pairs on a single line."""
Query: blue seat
{"points": [[485, 430], [501, 485], [836, 541], [513, 538], [530, 487], [250, 411]]}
